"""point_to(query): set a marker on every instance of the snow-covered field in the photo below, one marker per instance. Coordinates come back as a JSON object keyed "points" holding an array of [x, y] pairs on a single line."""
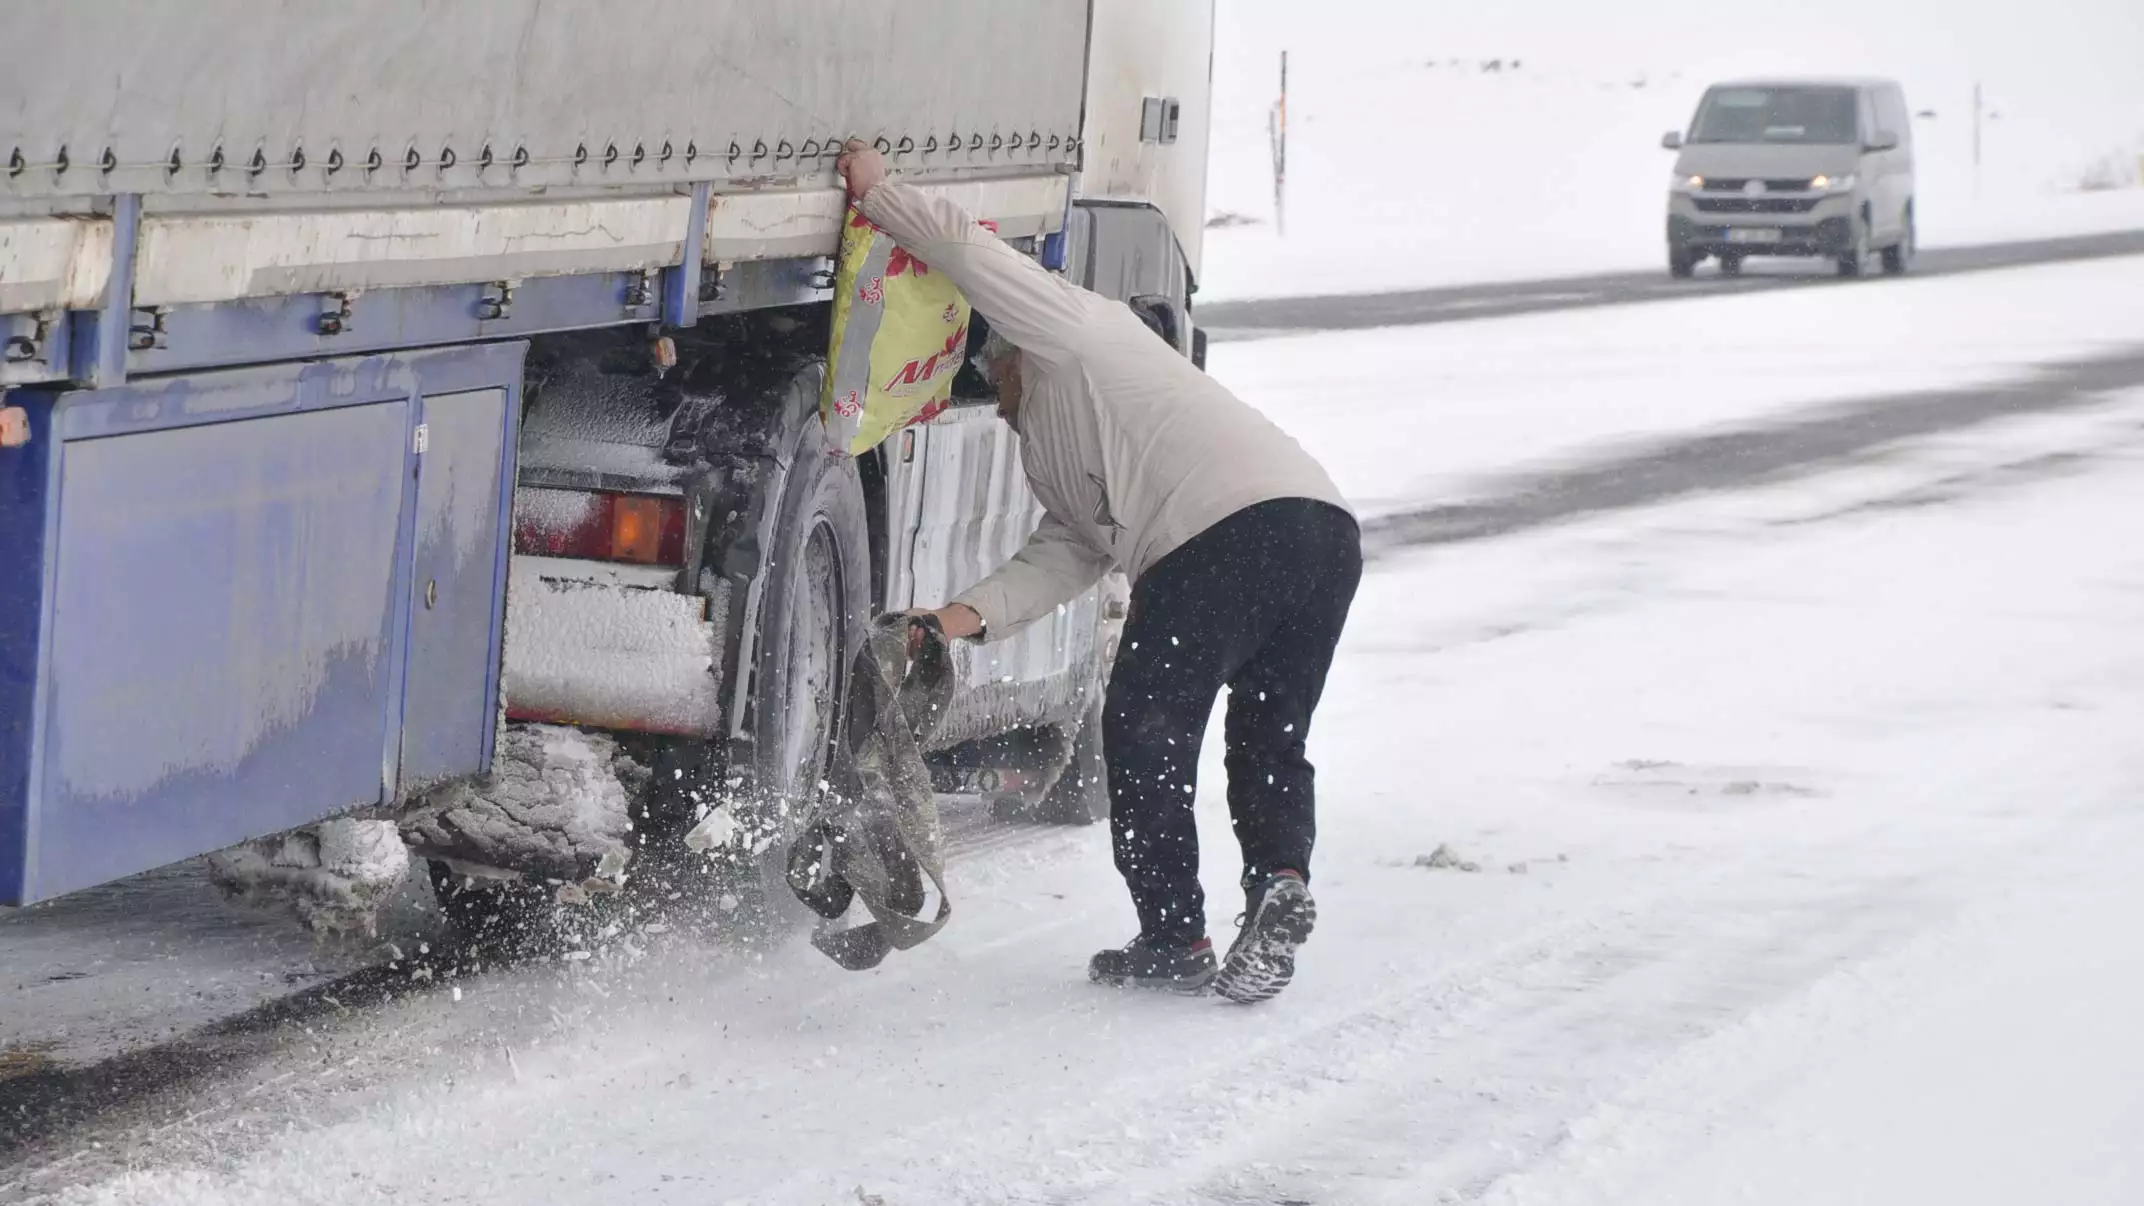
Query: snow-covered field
{"points": [[1412, 164], [1802, 816], [1437, 413]]}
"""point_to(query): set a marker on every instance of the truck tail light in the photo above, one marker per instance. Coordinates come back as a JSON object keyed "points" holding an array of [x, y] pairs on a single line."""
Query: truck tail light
{"points": [[645, 529]]}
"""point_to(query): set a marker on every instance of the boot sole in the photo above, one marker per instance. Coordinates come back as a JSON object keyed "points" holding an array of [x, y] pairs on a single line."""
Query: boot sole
{"points": [[1261, 964], [1181, 986]]}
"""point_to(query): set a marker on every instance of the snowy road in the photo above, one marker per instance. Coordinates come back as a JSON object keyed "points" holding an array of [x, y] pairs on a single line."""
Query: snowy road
{"points": [[1265, 317], [1776, 661]]}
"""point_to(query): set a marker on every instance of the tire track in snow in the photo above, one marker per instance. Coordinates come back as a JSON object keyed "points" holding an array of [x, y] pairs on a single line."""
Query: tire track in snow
{"points": [[1306, 1084], [1385, 1135], [1760, 455], [267, 1060]]}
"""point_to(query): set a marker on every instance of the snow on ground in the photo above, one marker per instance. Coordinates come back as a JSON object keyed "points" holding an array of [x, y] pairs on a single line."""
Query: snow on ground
{"points": [[1411, 164], [94, 975], [1432, 413], [1801, 815], [2007, 1036]]}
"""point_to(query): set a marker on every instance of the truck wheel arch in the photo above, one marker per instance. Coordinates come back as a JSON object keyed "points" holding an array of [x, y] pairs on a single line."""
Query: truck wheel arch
{"points": [[790, 540]]}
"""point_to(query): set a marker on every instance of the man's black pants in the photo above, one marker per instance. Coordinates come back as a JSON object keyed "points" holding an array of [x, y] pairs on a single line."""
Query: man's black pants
{"points": [[1254, 603]]}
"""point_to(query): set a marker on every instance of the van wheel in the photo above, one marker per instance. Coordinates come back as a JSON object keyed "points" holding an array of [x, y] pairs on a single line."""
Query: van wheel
{"points": [[1854, 263], [1682, 263], [1898, 257], [1730, 265], [1081, 794]]}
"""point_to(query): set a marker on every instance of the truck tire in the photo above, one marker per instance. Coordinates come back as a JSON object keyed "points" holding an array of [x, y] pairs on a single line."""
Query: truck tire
{"points": [[814, 608], [1682, 264], [813, 620]]}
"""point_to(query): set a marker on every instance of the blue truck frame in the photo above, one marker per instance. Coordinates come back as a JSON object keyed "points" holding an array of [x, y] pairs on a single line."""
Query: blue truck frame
{"points": [[258, 597], [326, 475], [325, 479]]}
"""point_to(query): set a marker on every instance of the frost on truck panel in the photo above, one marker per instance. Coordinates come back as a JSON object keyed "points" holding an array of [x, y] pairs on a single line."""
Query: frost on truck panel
{"points": [[242, 568], [454, 509]]}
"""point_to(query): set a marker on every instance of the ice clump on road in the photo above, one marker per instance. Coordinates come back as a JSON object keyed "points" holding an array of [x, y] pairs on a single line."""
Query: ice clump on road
{"points": [[1444, 858], [334, 875]]}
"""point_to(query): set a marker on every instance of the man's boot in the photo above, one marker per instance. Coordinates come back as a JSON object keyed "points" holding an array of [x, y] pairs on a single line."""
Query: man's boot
{"points": [[1165, 964], [1278, 915]]}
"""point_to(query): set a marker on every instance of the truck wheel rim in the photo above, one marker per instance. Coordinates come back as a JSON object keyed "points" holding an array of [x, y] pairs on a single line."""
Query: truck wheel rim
{"points": [[813, 671]]}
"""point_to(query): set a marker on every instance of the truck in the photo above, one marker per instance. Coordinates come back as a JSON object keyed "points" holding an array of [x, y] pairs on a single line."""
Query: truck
{"points": [[406, 405]]}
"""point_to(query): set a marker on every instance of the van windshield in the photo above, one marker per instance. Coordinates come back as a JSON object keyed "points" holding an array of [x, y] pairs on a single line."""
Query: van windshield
{"points": [[1793, 115]]}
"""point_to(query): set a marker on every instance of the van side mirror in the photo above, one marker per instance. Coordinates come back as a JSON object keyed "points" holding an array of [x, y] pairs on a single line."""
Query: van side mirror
{"points": [[1672, 140], [1883, 140]]}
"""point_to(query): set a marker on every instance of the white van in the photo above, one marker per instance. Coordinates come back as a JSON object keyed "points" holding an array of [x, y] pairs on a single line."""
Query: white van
{"points": [[1794, 167]]}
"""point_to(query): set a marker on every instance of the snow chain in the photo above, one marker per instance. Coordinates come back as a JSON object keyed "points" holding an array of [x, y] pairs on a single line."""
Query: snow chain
{"points": [[874, 836]]}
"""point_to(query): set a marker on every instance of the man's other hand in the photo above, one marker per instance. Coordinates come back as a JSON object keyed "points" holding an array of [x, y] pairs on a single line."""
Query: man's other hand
{"points": [[862, 167]]}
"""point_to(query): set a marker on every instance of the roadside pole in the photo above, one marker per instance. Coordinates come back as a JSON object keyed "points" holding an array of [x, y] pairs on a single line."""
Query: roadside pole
{"points": [[1277, 129], [1978, 112]]}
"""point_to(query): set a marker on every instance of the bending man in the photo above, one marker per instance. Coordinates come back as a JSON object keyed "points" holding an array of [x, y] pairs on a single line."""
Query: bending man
{"points": [[1243, 557]]}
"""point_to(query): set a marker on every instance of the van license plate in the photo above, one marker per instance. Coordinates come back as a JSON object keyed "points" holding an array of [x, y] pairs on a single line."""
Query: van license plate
{"points": [[1753, 234]]}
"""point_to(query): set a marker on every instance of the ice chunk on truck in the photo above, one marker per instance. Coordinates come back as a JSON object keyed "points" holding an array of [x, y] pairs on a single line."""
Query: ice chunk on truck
{"points": [[350, 424]]}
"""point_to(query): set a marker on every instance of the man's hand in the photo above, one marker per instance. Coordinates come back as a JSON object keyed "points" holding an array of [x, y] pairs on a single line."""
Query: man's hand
{"points": [[958, 621], [862, 167]]}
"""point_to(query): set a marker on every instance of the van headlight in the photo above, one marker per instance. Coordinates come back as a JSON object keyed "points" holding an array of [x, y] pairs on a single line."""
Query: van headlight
{"points": [[1680, 183], [1834, 184]]}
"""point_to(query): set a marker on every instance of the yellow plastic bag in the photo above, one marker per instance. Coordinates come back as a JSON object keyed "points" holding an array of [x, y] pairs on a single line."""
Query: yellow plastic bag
{"points": [[900, 337]]}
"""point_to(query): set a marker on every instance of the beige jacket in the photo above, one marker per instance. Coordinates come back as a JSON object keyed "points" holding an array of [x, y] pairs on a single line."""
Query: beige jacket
{"points": [[1131, 449]]}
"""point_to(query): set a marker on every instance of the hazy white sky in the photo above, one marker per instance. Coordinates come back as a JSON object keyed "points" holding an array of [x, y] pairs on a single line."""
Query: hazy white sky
{"points": [[2051, 56]]}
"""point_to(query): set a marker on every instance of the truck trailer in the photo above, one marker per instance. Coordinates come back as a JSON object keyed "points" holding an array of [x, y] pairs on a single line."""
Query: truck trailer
{"points": [[393, 390]]}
